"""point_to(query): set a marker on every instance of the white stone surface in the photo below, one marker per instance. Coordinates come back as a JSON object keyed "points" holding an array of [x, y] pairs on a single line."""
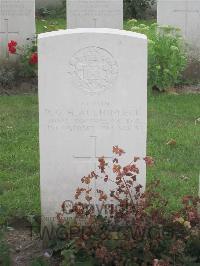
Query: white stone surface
{"points": [[92, 95], [17, 22], [182, 14], [95, 14]]}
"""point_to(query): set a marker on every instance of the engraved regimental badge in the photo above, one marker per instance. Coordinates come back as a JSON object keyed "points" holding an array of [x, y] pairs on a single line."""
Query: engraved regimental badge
{"points": [[94, 69]]}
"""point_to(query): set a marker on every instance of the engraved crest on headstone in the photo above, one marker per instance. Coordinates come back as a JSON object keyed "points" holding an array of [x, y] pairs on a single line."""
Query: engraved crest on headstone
{"points": [[94, 69]]}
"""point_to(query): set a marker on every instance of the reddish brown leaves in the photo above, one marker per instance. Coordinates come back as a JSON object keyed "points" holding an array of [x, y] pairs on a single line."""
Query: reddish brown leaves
{"points": [[118, 151], [149, 161], [102, 164], [138, 188], [116, 168], [79, 209], [102, 195], [79, 191], [93, 174], [88, 198], [106, 178], [129, 169], [134, 177], [87, 179], [115, 160], [186, 199], [60, 218]]}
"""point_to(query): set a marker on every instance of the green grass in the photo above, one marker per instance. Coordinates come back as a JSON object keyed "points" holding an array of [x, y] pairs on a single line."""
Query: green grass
{"points": [[140, 21], [169, 117], [178, 166], [50, 24], [4, 251], [19, 156]]}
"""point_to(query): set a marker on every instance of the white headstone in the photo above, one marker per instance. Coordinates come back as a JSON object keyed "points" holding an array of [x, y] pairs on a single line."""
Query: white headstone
{"points": [[93, 95], [182, 14], [95, 14], [17, 22]]}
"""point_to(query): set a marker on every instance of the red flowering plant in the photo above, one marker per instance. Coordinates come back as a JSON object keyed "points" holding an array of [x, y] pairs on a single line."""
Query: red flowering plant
{"points": [[28, 57], [12, 47], [131, 226]]}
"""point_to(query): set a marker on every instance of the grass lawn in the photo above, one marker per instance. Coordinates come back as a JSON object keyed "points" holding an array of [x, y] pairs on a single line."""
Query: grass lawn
{"points": [[19, 157], [169, 117], [52, 24]]}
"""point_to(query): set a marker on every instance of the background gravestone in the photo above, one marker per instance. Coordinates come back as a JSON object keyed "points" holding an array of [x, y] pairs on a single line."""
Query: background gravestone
{"points": [[17, 22], [182, 14], [95, 14], [93, 95]]}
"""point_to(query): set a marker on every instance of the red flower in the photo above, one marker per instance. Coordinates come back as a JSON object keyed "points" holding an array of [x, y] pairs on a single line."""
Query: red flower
{"points": [[33, 59], [12, 43], [12, 47]]}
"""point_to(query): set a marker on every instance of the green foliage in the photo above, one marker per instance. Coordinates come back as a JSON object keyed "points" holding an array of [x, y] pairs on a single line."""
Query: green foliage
{"points": [[68, 254], [8, 74], [4, 252], [18, 69], [58, 12], [132, 9], [167, 56], [135, 8], [39, 262], [26, 69]]}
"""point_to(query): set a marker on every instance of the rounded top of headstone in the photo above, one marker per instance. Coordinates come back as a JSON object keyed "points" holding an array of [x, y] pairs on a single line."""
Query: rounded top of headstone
{"points": [[92, 31]]}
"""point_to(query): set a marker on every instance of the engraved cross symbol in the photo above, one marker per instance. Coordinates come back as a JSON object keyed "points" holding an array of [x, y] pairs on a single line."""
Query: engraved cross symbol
{"points": [[93, 158], [187, 11], [6, 33]]}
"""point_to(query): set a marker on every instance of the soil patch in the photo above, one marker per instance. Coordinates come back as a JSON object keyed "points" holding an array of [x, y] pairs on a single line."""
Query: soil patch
{"points": [[25, 247], [195, 89], [24, 87]]}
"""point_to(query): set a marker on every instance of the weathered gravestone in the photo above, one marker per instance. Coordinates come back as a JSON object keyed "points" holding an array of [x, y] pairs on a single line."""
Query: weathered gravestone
{"points": [[93, 95], [17, 22], [95, 14], [182, 14]]}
